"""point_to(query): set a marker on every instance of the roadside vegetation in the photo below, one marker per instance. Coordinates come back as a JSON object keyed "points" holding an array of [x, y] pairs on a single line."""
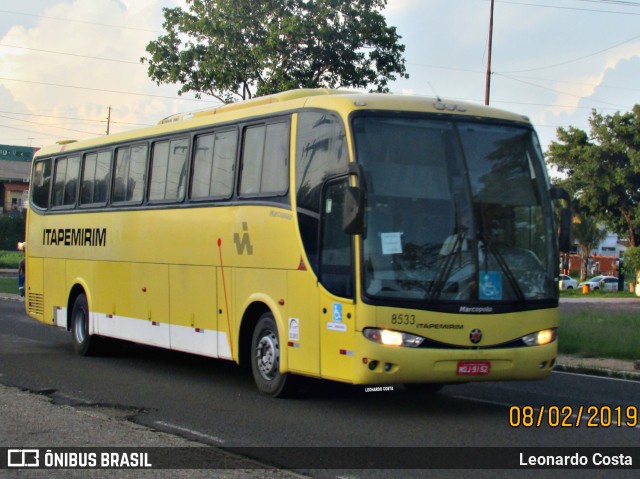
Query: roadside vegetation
{"points": [[10, 259], [596, 293], [594, 334], [9, 285]]}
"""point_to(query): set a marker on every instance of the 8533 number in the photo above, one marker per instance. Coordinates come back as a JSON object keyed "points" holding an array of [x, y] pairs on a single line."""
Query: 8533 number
{"points": [[403, 319]]}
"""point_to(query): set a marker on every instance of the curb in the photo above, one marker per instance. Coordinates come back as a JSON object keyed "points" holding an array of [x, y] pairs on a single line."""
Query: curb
{"points": [[11, 297], [592, 371]]}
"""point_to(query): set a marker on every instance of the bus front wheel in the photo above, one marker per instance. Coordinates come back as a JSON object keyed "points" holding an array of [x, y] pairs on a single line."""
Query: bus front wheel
{"points": [[265, 359], [83, 343]]}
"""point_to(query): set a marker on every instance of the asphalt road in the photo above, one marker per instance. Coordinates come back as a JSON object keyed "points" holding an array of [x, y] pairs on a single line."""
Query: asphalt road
{"points": [[215, 402]]}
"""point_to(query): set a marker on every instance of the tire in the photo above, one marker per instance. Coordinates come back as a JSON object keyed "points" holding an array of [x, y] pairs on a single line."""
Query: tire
{"points": [[265, 359], [83, 343]]}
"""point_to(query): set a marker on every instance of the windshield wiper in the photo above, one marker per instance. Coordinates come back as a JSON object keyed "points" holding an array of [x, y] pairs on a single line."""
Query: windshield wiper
{"points": [[436, 287]]}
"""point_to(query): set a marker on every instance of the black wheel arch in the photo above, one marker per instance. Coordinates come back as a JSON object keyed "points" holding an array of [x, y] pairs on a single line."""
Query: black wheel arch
{"points": [[76, 291], [249, 320]]}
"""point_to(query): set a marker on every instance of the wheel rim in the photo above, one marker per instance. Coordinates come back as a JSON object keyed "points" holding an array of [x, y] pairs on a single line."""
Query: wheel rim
{"points": [[268, 356], [79, 327]]}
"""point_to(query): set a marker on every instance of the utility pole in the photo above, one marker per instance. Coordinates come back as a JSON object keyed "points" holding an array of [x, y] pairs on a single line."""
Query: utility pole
{"points": [[487, 87], [109, 119]]}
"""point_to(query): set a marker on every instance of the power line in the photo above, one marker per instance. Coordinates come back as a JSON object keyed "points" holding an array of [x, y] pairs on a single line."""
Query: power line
{"points": [[88, 120], [109, 91], [560, 92], [566, 62], [614, 2], [120, 27], [71, 54], [558, 7], [570, 82], [47, 126], [522, 78]]}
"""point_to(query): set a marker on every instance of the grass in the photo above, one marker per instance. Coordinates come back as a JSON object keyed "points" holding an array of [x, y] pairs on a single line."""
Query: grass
{"points": [[594, 334], [577, 293], [9, 285], [10, 259]]}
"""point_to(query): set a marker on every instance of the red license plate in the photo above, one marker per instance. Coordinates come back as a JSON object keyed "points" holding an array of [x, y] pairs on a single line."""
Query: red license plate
{"points": [[473, 368]]}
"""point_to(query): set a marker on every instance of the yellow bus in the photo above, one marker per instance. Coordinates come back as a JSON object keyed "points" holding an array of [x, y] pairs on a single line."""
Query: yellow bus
{"points": [[364, 238]]}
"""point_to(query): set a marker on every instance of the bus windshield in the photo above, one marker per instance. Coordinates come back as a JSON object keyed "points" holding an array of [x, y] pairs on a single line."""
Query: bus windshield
{"points": [[457, 212]]}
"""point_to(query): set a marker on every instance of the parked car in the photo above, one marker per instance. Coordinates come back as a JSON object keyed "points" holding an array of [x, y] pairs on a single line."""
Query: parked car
{"points": [[605, 283], [567, 282]]}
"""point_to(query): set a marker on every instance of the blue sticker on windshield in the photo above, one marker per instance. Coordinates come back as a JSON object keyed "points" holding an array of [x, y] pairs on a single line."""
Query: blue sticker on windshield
{"points": [[491, 285]]}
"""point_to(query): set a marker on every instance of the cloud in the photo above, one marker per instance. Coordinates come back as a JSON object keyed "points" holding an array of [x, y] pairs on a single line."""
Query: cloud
{"points": [[103, 41]]}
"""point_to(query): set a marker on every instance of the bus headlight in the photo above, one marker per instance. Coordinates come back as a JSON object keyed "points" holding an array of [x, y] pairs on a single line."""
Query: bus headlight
{"points": [[392, 338], [540, 338]]}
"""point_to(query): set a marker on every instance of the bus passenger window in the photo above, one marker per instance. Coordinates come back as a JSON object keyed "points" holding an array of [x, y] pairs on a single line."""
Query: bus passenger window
{"points": [[128, 183], [65, 181], [95, 178], [252, 160], [276, 159], [214, 165], [40, 183], [265, 160], [168, 170]]}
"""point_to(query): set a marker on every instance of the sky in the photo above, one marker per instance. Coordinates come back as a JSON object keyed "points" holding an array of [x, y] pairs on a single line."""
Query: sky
{"points": [[66, 66]]}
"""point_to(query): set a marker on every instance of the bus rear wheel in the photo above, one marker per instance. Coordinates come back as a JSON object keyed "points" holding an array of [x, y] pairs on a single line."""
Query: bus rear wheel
{"points": [[265, 359], [83, 343]]}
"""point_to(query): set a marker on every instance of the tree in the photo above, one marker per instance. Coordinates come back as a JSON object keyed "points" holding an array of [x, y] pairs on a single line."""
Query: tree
{"points": [[232, 49], [631, 265], [12, 230], [604, 169], [588, 234]]}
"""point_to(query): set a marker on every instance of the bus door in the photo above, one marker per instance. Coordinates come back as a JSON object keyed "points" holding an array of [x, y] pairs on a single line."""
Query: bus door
{"points": [[336, 275]]}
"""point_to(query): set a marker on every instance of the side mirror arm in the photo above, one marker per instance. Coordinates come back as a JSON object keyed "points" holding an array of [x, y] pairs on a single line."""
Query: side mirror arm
{"points": [[564, 230], [354, 203]]}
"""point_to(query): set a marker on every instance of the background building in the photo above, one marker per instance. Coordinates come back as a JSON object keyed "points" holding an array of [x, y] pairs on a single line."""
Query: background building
{"points": [[15, 167]]}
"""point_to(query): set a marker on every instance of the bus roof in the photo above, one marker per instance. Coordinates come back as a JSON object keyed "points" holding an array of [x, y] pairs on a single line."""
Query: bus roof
{"points": [[342, 101]]}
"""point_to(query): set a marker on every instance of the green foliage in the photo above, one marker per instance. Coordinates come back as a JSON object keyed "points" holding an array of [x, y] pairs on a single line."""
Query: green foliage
{"points": [[10, 259], [594, 334], [632, 261], [599, 293], [588, 233], [233, 49], [603, 169], [9, 285], [12, 230]]}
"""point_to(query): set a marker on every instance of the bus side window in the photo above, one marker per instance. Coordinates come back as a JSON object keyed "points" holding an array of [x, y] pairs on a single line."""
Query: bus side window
{"points": [[65, 182], [265, 160], [128, 184], [40, 183], [102, 177], [168, 170], [321, 152], [95, 178], [87, 187], [214, 165]]}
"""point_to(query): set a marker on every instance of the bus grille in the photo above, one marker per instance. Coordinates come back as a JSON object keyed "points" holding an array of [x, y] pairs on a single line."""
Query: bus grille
{"points": [[36, 304]]}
